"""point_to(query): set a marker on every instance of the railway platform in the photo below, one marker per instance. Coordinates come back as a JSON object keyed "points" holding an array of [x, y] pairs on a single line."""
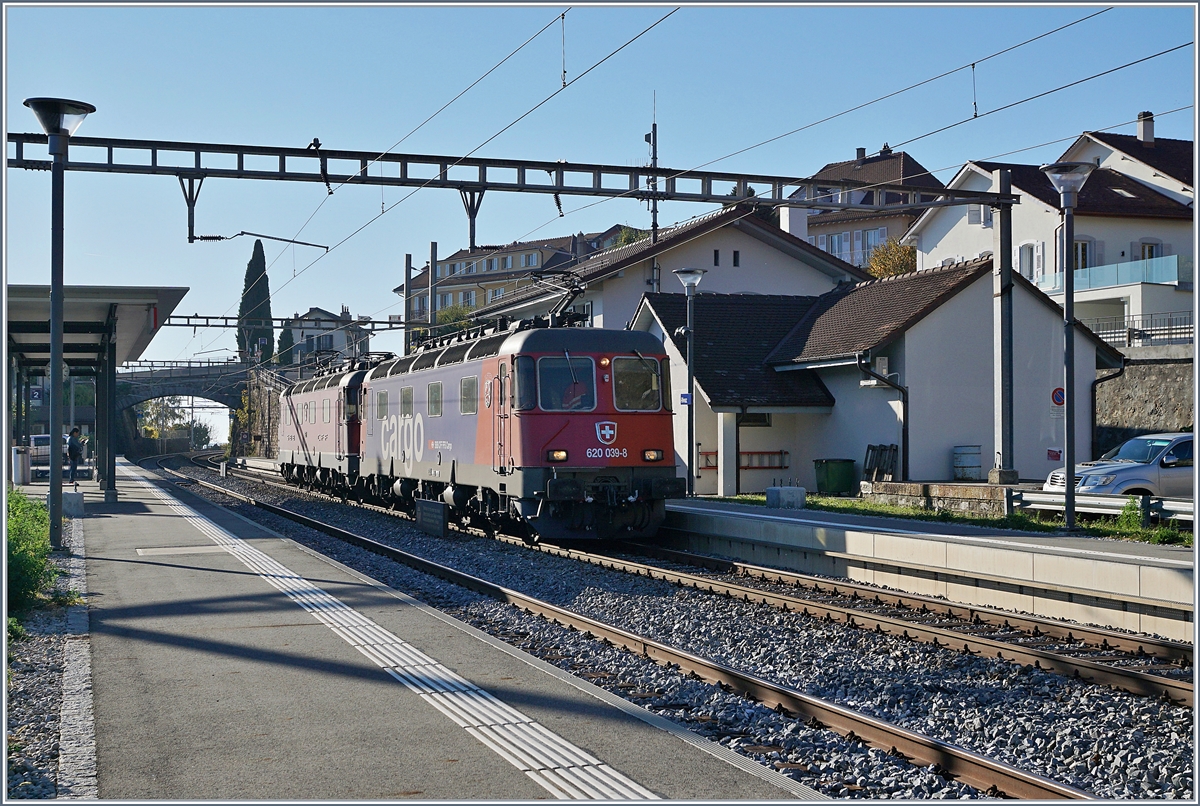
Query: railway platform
{"points": [[1127, 585], [228, 662]]}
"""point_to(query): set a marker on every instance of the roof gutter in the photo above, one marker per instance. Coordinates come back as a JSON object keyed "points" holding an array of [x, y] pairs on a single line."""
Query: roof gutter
{"points": [[863, 359], [848, 360]]}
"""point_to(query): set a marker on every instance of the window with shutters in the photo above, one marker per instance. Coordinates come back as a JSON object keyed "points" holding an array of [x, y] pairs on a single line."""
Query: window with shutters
{"points": [[870, 243], [1083, 255], [468, 297], [1025, 260], [1150, 251], [973, 213], [506, 262]]}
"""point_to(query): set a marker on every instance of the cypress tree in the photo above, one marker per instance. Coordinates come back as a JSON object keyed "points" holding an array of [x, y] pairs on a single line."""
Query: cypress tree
{"points": [[286, 343], [254, 312]]}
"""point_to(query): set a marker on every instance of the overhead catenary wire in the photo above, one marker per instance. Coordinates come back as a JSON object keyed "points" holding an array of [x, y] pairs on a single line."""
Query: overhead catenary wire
{"points": [[953, 167], [411, 132], [1008, 106], [735, 153]]}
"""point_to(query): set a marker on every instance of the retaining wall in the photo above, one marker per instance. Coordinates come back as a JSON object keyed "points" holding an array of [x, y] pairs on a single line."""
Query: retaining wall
{"points": [[979, 499], [1092, 586]]}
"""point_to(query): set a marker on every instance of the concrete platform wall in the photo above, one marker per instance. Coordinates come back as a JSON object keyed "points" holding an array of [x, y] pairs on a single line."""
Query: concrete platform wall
{"points": [[1093, 587]]}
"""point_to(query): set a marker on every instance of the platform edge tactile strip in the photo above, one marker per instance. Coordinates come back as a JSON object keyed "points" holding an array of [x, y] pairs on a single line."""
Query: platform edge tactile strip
{"points": [[533, 753]]}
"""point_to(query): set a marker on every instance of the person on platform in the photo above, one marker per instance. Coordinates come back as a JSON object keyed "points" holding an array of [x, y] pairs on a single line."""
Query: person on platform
{"points": [[74, 451]]}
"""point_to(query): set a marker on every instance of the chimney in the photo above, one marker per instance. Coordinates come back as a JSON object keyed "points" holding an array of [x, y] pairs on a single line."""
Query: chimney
{"points": [[883, 152], [345, 311], [1145, 135], [860, 154]]}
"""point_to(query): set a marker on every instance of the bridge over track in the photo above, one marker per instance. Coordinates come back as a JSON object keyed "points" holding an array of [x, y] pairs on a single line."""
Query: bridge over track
{"points": [[219, 381]]}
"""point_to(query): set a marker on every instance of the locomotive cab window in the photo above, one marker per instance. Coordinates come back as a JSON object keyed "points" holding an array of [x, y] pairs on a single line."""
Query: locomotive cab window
{"points": [[566, 385], [351, 402], [524, 384], [406, 401], [325, 410], [381, 405], [468, 395], [433, 399], [636, 385]]}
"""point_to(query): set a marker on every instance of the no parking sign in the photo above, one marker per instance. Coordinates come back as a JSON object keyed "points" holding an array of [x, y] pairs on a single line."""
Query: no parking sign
{"points": [[1057, 400]]}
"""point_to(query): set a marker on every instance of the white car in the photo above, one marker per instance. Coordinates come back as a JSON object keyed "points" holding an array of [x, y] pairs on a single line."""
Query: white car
{"points": [[1153, 464]]}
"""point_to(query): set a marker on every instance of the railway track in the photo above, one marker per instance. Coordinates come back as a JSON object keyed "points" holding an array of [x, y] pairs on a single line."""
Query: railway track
{"points": [[1138, 664], [987, 775]]}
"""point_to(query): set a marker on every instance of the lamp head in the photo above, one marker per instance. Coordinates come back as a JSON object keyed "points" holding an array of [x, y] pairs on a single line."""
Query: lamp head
{"points": [[689, 277], [1068, 177], [58, 115]]}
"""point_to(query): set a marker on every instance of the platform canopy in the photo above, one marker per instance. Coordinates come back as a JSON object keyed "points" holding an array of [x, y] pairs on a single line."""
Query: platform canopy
{"points": [[131, 314]]}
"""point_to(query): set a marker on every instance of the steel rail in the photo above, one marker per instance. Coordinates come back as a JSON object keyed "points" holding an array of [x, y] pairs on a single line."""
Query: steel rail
{"points": [[1178, 691], [1162, 648], [987, 775]]}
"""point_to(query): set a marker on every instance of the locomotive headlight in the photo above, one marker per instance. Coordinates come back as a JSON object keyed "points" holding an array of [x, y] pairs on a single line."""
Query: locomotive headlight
{"points": [[604, 362], [652, 456], [556, 456]]}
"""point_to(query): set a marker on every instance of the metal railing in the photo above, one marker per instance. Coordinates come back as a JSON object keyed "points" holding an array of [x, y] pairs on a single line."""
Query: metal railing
{"points": [[1150, 506], [750, 460], [1165, 270], [1146, 330]]}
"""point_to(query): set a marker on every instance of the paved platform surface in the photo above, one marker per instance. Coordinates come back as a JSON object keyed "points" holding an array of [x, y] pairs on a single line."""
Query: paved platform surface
{"points": [[915, 528], [228, 662]]}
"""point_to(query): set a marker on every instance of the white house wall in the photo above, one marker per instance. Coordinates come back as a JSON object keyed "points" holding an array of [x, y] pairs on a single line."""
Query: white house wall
{"points": [[762, 270], [949, 377], [1089, 150]]}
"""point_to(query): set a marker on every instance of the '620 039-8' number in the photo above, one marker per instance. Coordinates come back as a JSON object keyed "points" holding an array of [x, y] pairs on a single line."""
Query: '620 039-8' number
{"points": [[607, 453]]}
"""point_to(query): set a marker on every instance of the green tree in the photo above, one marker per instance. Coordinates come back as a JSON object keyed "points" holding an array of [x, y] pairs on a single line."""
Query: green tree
{"points": [[628, 235], [254, 311], [201, 434], [891, 258], [286, 344], [162, 414]]}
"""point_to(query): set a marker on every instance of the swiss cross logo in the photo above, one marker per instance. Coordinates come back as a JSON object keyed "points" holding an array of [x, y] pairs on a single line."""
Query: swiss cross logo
{"points": [[606, 432]]}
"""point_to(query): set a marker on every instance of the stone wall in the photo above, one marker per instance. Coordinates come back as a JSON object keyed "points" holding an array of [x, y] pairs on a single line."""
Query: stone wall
{"points": [[975, 499], [1153, 394]]}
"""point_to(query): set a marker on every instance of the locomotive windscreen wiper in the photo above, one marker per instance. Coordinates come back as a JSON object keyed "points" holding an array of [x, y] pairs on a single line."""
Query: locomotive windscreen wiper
{"points": [[574, 380], [647, 362]]}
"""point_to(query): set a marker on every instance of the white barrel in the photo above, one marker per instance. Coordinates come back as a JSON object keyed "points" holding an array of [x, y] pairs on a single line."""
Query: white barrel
{"points": [[967, 466]]}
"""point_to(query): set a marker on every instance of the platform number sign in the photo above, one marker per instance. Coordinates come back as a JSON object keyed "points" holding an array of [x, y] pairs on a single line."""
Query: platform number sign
{"points": [[1058, 398]]}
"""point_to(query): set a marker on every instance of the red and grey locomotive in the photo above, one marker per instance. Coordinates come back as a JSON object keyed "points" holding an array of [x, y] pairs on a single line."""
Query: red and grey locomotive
{"points": [[550, 432]]}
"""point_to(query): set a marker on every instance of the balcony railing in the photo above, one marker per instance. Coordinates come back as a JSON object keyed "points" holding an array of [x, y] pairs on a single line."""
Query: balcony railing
{"points": [[1171, 269], [1144, 331]]}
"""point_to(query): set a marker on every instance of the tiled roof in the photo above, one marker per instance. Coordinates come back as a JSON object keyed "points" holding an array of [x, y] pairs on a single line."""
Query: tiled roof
{"points": [[1099, 195], [896, 167], [852, 319], [610, 261], [734, 333], [1171, 157]]}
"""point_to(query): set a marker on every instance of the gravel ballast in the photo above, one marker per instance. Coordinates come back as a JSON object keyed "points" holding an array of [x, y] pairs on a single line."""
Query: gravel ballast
{"points": [[1114, 744]]}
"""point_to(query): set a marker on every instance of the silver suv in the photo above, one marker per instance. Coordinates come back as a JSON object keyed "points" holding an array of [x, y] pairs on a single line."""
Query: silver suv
{"points": [[1153, 464]]}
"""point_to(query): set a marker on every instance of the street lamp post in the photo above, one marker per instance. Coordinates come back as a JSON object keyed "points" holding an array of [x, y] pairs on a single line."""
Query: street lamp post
{"points": [[1068, 179], [59, 118], [690, 279]]}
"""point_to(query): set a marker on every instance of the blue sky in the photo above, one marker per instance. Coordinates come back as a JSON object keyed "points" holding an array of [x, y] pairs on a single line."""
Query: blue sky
{"points": [[360, 78]]}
